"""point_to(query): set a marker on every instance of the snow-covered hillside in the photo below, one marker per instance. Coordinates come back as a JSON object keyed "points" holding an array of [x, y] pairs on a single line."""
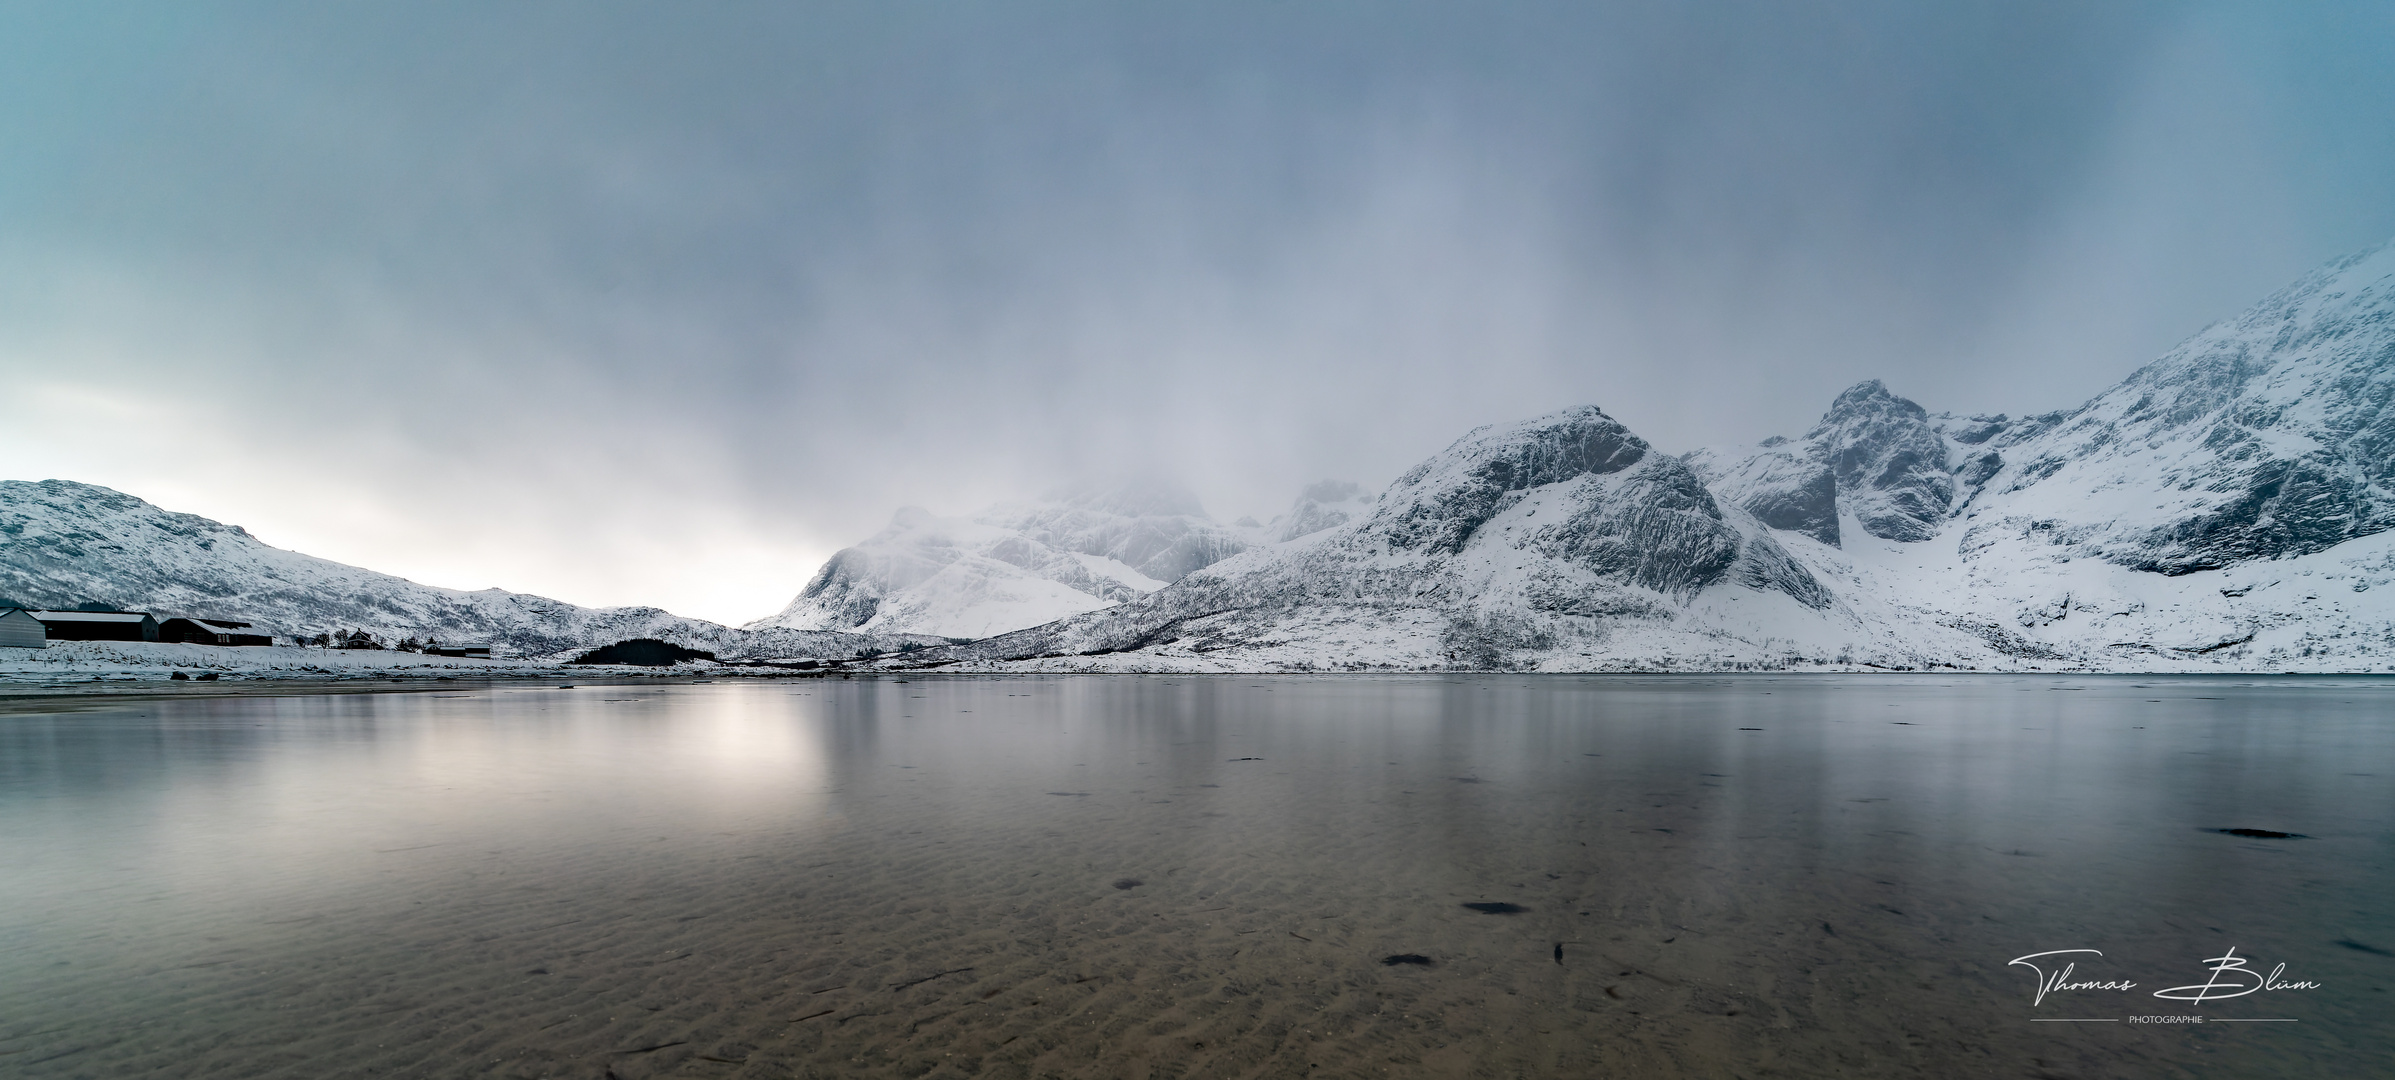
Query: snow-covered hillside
{"points": [[1560, 541], [1014, 564], [2227, 507], [63, 544]]}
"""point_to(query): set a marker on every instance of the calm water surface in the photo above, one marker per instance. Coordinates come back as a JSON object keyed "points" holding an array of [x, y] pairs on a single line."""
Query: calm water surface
{"points": [[1178, 877]]}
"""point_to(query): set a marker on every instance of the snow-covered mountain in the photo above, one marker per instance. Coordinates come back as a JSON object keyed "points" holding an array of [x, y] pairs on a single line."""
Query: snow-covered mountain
{"points": [[64, 543], [1566, 538], [2230, 506], [1326, 504], [1014, 564], [1874, 457]]}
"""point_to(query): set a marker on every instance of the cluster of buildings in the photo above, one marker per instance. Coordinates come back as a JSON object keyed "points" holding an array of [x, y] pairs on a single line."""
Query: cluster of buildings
{"points": [[27, 629]]}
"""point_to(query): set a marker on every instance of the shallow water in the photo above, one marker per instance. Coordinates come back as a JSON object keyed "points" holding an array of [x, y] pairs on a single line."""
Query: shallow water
{"points": [[1167, 877]]}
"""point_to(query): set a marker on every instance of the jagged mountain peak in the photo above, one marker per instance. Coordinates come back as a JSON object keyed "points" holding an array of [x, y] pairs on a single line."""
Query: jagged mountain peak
{"points": [[1436, 506], [1874, 456], [1554, 533], [1866, 401]]}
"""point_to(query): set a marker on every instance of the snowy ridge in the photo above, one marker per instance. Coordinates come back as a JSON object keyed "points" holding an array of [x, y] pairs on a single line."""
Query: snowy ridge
{"points": [[63, 544], [1012, 565], [2228, 507], [2269, 435], [1561, 541]]}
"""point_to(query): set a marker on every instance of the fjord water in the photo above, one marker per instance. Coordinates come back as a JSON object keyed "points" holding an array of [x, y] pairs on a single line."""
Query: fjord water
{"points": [[1174, 876]]}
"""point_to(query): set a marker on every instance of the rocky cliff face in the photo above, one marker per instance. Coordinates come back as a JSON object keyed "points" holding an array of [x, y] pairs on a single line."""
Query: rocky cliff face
{"points": [[2267, 436], [63, 544], [1874, 457]]}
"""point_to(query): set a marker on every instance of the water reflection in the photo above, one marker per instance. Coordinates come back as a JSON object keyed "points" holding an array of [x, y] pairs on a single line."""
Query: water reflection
{"points": [[1811, 875]]}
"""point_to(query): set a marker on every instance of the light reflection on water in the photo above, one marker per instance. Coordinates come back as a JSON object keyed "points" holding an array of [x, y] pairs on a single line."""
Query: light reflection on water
{"points": [[537, 881]]}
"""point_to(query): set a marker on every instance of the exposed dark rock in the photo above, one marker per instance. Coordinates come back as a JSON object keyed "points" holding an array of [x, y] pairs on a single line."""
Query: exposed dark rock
{"points": [[1890, 463], [1806, 502], [1436, 507], [1873, 454], [2267, 436], [1653, 525]]}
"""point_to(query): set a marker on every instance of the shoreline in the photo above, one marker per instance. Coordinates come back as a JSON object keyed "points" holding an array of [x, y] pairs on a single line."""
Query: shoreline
{"points": [[32, 697]]}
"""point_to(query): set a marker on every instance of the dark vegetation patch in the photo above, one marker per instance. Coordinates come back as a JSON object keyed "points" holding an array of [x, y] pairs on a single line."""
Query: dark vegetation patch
{"points": [[642, 652]]}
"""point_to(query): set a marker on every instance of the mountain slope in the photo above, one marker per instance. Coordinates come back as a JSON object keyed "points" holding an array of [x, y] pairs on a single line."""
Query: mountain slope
{"points": [[2266, 436], [1012, 565], [1564, 539], [64, 543], [2230, 506], [1874, 456]]}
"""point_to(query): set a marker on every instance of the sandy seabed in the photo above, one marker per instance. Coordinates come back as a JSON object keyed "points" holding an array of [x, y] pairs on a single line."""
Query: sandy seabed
{"points": [[1164, 878]]}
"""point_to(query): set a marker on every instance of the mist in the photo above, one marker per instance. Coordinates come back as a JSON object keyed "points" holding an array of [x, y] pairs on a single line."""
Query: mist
{"points": [[662, 305]]}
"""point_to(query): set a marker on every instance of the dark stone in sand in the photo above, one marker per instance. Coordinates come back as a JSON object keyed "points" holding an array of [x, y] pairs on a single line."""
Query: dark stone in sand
{"points": [[1128, 883], [2263, 834], [1497, 907], [1406, 958]]}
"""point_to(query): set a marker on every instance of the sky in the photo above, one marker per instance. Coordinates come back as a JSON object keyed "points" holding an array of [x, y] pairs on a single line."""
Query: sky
{"points": [[664, 303]]}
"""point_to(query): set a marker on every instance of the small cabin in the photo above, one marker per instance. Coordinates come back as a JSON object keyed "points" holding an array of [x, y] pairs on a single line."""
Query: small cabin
{"points": [[98, 625], [20, 630], [211, 632]]}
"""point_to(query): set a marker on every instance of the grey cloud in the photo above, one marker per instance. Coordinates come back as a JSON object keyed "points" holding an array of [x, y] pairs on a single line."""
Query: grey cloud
{"points": [[806, 263]]}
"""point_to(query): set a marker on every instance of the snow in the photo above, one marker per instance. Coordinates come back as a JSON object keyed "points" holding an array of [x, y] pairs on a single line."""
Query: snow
{"points": [[2229, 507], [64, 544], [1022, 564]]}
